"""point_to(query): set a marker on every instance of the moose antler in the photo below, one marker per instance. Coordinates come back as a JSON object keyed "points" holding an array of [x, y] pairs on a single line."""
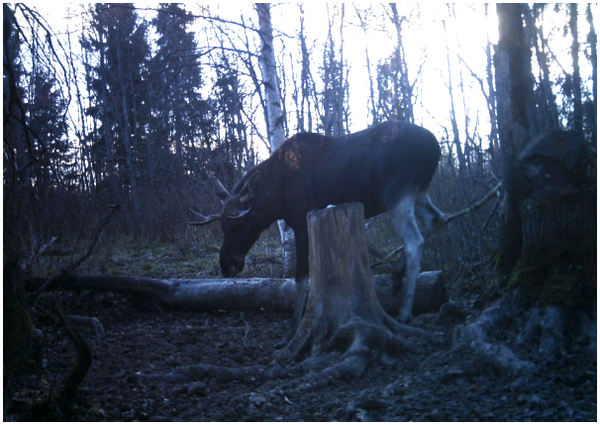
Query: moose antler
{"points": [[205, 220], [247, 195]]}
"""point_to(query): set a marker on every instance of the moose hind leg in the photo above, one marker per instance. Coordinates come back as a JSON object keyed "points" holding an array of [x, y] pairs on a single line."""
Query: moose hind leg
{"points": [[430, 219], [405, 223]]}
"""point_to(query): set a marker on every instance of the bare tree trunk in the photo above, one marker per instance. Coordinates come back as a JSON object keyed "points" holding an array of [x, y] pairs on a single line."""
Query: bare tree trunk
{"points": [[403, 89], [335, 80], [20, 340], [592, 41], [577, 105], [270, 81], [514, 88], [109, 157], [275, 119], [364, 25], [306, 82], [455, 132], [548, 112], [492, 95], [341, 125]]}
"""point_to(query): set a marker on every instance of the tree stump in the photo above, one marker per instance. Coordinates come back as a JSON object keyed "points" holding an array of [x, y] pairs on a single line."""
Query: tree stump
{"points": [[558, 257], [343, 312], [552, 292]]}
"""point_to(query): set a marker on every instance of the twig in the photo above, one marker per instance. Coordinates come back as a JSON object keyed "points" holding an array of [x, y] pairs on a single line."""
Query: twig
{"points": [[73, 266], [474, 206], [95, 239], [450, 217], [490, 215], [84, 360], [246, 330], [90, 322], [39, 252]]}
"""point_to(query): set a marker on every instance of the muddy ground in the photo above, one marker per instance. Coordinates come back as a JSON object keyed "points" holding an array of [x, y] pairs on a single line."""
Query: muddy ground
{"points": [[434, 383]]}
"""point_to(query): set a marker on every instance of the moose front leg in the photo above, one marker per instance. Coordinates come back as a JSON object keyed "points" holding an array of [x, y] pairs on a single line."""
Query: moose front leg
{"points": [[301, 237], [300, 301], [301, 292]]}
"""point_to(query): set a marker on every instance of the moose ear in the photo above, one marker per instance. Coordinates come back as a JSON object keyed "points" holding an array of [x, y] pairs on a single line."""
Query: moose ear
{"points": [[249, 189], [220, 190]]}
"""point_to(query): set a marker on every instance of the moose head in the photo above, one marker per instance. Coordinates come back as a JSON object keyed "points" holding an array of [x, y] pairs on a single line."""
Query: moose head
{"points": [[235, 220]]}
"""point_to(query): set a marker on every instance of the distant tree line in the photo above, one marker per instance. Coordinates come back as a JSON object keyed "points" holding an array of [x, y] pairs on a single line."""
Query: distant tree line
{"points": [[145, 112]]}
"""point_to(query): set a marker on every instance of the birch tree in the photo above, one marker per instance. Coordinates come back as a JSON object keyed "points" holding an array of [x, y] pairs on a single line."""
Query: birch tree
{"points": [[275, 117]]}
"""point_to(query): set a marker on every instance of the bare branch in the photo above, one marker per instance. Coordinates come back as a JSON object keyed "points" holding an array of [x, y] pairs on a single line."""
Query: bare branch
{"points": [[451, 217], [73, 266]]}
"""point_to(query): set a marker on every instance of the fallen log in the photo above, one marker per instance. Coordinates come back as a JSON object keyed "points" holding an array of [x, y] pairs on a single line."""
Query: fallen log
{"points": [[430, 293], [240, 294]]}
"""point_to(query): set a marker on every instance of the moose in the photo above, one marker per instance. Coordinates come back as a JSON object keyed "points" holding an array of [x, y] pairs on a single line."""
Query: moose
{"points": [[387, 167]]}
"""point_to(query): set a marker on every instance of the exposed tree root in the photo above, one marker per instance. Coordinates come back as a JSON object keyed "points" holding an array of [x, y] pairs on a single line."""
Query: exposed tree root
{"points": [[347, 354], [80, 369], [543, 329], [546, 328], [352, 365], [475, 336]]}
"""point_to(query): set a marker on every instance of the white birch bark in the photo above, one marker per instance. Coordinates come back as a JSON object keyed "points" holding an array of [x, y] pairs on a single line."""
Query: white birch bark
{"points": [[275, 118]]}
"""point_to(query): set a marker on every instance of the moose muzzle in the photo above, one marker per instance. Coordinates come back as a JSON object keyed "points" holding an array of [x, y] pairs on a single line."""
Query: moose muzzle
{"points": [[232, 265]]}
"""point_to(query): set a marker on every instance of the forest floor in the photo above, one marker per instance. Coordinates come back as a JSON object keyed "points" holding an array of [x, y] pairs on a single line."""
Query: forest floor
{"points": [[434, 383]]}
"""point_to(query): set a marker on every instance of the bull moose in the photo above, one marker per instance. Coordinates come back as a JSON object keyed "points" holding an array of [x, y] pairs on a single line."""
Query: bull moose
{"points": [[387, 167]]}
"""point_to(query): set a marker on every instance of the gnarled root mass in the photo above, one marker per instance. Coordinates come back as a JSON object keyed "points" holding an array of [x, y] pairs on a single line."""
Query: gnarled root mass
{"points": [[343, 314], [545, 329], [344, 350], [347, 353]]}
